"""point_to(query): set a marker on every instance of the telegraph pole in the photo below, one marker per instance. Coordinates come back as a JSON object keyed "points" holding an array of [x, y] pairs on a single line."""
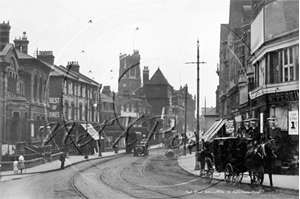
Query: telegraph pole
{"points": [[198, 95]]}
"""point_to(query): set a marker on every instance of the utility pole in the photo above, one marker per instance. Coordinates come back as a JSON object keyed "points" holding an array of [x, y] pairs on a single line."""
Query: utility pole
{"points": [[185, 119], [198, 95]]}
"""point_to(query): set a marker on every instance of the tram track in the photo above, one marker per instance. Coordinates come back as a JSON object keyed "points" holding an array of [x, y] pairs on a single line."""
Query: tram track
{"points": [[117, 180]]}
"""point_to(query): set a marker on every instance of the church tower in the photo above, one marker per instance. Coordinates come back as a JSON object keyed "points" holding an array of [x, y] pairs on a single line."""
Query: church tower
{"points": [[129, 73]]}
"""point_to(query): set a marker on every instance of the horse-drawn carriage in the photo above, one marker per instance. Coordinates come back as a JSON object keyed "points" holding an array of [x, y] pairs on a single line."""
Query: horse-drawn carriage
{"points": [[234, 156]]}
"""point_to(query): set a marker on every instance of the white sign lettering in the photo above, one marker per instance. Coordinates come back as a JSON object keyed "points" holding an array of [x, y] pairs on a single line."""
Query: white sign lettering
{"points": [[293, 122]]}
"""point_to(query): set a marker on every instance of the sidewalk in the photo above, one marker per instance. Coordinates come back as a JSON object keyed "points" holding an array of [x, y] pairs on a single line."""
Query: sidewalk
{"points": [[55, 165], [52, 166], [279, 181]]}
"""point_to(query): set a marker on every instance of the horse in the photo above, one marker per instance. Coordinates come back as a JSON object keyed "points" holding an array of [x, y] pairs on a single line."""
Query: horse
{"points": [[259, 159]]}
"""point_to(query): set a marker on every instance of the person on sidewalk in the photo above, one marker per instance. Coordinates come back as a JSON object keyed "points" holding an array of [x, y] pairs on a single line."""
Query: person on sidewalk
{"points": [[201, 158], [21, 163], [62, 159], [15, 165]]}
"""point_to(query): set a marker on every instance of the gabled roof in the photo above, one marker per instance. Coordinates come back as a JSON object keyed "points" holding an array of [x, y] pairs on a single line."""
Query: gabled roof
{"points": [[158, 79], [6, 50]]}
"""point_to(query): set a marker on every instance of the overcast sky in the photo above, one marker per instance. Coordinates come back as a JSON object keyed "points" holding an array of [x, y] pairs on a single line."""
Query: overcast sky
{"points": [[166, 37]]}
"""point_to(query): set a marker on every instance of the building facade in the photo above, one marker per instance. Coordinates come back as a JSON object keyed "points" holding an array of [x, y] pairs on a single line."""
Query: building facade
{"points": [[259, 71], [24, 94]]}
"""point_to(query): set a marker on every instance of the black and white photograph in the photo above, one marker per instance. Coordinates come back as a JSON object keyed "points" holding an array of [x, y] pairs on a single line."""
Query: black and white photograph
{"points": [[149, 99]]}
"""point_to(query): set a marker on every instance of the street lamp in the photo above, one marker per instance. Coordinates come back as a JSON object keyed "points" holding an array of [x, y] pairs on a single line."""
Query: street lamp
{"points": [[272, 119], [99, 140]]}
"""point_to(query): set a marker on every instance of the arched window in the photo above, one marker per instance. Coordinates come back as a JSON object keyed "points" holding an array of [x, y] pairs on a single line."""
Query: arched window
{"points": [[41, 89], [12, 78], [35, 88]]}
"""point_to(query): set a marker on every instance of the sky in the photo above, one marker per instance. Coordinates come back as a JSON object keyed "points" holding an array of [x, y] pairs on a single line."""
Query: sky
{"points": [[95, 32]]}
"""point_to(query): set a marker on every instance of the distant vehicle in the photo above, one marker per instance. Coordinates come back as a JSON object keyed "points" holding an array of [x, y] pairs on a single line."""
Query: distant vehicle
{"points": [[141, 148]]}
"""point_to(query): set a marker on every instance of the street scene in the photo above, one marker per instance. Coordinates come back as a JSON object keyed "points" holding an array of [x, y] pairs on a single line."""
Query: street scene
{"points": [[149, 99]]}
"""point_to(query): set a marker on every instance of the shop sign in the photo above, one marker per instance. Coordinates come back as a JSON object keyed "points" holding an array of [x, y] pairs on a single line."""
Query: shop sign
{"points": [[54, 107], [261, 122], [293, 122], [284, 96]]}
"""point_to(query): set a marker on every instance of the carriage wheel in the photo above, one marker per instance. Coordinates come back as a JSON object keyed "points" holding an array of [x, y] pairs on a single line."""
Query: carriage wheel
{"points": [[258, 175], [208, 170], [228, 174]]}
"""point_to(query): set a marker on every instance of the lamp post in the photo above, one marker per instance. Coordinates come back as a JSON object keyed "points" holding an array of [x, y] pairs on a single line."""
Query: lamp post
{"points": [[99, 141], [198, 95]]}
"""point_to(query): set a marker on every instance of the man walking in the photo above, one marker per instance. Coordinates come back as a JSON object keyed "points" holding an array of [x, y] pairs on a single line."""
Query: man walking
{"points": [[62, 159]]}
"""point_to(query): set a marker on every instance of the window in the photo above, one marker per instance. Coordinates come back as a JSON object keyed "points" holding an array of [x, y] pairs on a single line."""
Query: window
{"points": [[72, 112], [288, 64], [41, 89], [65, 87], [35, 88], [132, 71], [86, 113], [83, 91], [71, 88], [66, 111], [80, 112], [79, 90]]}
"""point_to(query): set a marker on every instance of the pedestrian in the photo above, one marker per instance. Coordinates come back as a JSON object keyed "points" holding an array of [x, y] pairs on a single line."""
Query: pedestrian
{"points": [[62, 159], [21, 163], [15, 166], [66, 148]]}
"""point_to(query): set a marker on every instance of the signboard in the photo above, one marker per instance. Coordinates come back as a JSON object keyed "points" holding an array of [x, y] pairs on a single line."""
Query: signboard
{"points": [[54, 107], [229, 126], [293, 123], [261, 122], [287, 96]]}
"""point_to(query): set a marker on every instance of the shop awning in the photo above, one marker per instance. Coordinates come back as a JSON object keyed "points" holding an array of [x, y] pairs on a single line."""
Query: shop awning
{"points": [[90, 129], [213, 130]]}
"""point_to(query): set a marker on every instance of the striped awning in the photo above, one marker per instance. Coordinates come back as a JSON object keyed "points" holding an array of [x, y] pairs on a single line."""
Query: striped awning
{"points": [[212, 131], [90, 129]]}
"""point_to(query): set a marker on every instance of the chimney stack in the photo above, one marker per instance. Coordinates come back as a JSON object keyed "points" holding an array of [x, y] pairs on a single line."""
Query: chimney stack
{"points": [[4, 34], [46, 56], [21, 44], [73, 66], [106, 90], [145, 74]]}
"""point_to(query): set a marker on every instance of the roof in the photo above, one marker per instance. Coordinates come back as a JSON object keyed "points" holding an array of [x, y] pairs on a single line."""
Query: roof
{"points": [[158, 78], [211, 112], [22, 55], [63, 71]]}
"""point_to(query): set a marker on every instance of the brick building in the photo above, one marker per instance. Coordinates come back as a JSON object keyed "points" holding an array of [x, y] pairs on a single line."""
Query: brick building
{"points": [[24, 94]]}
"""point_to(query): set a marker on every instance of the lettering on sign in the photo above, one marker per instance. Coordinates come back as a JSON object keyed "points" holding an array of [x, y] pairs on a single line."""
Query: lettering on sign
{"points": [[284, 96], [54, 107], [293, 122]]}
